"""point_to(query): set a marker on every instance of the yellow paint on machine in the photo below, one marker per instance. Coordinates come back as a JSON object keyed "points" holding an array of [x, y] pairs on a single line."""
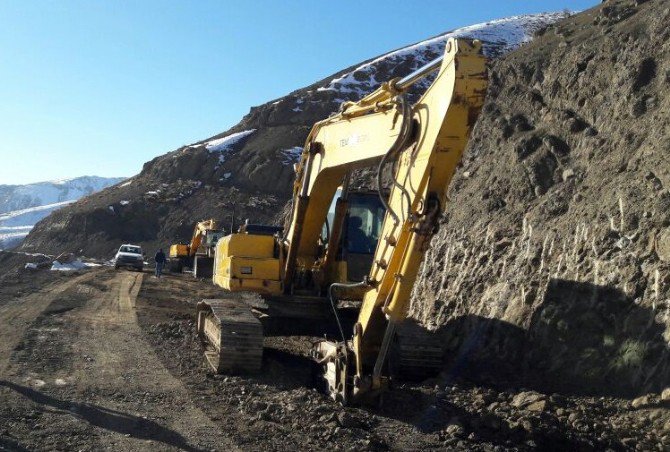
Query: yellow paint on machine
{"points": [[178, 250], [246, 262], [248, 245]]}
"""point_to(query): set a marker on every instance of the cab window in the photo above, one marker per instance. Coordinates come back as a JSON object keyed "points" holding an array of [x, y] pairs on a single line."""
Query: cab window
{"points": [[364, 223]]}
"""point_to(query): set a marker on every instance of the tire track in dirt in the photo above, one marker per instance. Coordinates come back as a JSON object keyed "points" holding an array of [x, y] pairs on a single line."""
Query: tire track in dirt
{"points": [[16, 316], [97, 383]]}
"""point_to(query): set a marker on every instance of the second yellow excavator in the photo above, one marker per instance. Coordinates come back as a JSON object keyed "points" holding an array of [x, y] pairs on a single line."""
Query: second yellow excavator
{"points": [[344, 247], [198, 254]]}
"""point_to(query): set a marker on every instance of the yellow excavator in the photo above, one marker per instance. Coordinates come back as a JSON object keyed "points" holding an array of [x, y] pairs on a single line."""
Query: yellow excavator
{"points": [[350, 247], [198, 254]]}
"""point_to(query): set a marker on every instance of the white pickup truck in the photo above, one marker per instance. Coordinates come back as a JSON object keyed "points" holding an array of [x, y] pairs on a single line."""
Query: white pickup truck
{"points": [[129, 256]]}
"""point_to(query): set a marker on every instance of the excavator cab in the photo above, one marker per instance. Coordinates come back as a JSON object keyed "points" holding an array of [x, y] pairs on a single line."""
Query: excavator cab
{"points": [[362, 224], [362, 228]]}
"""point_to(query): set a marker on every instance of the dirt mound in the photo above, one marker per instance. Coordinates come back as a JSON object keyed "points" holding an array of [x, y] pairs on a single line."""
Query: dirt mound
{"points": [[552, 264]]}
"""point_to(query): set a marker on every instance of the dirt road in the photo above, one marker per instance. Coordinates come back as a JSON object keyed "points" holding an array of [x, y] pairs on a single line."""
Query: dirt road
{"points": [[78, 374], [109, 360]]}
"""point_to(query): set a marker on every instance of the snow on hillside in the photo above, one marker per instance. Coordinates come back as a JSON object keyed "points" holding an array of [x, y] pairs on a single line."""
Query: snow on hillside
{"points": [[30, 215], [291, 156], [11, 237], [307, 105], [225, 144], [21, 206], [498, 37], [18, 197]]}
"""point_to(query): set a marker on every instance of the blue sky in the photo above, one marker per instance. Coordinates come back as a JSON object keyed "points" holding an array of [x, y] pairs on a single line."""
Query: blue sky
{"points": [[100, 87]]}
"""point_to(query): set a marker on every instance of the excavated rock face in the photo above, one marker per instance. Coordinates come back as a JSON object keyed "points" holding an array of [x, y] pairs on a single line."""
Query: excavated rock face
{"points": [[552, 265]]}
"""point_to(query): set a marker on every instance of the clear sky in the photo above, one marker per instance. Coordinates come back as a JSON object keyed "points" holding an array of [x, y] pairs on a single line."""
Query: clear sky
{"points": [[100, 87]]}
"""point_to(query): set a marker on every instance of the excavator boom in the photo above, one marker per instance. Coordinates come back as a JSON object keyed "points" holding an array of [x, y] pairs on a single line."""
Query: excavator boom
{"points": [[422, 144], [425, 159]]}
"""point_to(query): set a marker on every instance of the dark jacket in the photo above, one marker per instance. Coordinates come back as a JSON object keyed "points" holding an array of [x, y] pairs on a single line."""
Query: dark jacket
{"points": [[160, 257]]}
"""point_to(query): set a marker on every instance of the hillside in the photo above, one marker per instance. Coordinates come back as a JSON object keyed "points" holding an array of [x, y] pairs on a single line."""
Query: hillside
{"points": [[21, 206], [245, 171], [552, 265]]}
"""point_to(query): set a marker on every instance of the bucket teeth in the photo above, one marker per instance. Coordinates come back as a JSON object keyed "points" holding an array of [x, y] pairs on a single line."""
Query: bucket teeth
{"points": [[232, 334]]}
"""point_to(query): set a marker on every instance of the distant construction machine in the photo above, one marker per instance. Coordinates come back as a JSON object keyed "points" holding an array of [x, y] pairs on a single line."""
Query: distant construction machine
{"points": [[353, 247], [199, 253]]}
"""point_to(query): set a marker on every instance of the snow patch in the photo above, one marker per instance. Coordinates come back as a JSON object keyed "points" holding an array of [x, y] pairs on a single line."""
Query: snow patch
{"points": [[125, 184], [71, 266], [225, 144], [124, 202], [291, 156], [498, 37]]}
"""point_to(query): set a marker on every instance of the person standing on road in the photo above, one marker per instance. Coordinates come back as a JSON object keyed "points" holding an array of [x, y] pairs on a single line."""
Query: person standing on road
{"points": [[160, 262]]}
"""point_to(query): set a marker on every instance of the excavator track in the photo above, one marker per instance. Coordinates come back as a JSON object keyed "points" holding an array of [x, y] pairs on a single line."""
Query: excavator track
{"points": [[233, 336]]}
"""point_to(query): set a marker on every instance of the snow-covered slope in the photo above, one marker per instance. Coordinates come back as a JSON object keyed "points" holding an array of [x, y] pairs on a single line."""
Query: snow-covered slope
{"points": [[498, 37], [21, 206], [239, 154], [18, 197]]}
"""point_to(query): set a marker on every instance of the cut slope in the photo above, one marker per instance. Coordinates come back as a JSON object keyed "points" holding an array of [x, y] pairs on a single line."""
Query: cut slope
{"points": [[552, 264]]}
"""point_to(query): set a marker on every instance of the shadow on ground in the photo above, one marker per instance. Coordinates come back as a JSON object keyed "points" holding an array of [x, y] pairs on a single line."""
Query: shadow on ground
{"points": [[115, 421]]}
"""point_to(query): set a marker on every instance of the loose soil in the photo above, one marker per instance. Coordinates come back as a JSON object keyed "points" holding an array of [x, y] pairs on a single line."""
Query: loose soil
{"points": [[109, 359]]}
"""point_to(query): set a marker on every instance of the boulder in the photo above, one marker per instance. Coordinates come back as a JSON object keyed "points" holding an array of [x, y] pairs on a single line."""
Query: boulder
{"points": [[528, 399]]}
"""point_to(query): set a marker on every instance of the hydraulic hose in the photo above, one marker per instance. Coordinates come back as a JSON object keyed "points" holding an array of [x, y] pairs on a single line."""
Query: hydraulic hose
{"points": [[398, 145], [332, 300]]}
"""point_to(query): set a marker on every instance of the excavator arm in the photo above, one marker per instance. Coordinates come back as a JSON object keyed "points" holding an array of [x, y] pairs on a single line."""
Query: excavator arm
{"points": [[198, 233], [424, 143]]}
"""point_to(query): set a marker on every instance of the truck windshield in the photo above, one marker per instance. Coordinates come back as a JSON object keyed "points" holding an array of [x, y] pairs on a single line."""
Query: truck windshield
{"points": [[131, 249]]}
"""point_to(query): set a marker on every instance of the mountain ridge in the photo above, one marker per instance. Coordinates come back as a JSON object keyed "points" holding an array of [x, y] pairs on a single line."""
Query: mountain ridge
{"points": [[23, 205]]}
